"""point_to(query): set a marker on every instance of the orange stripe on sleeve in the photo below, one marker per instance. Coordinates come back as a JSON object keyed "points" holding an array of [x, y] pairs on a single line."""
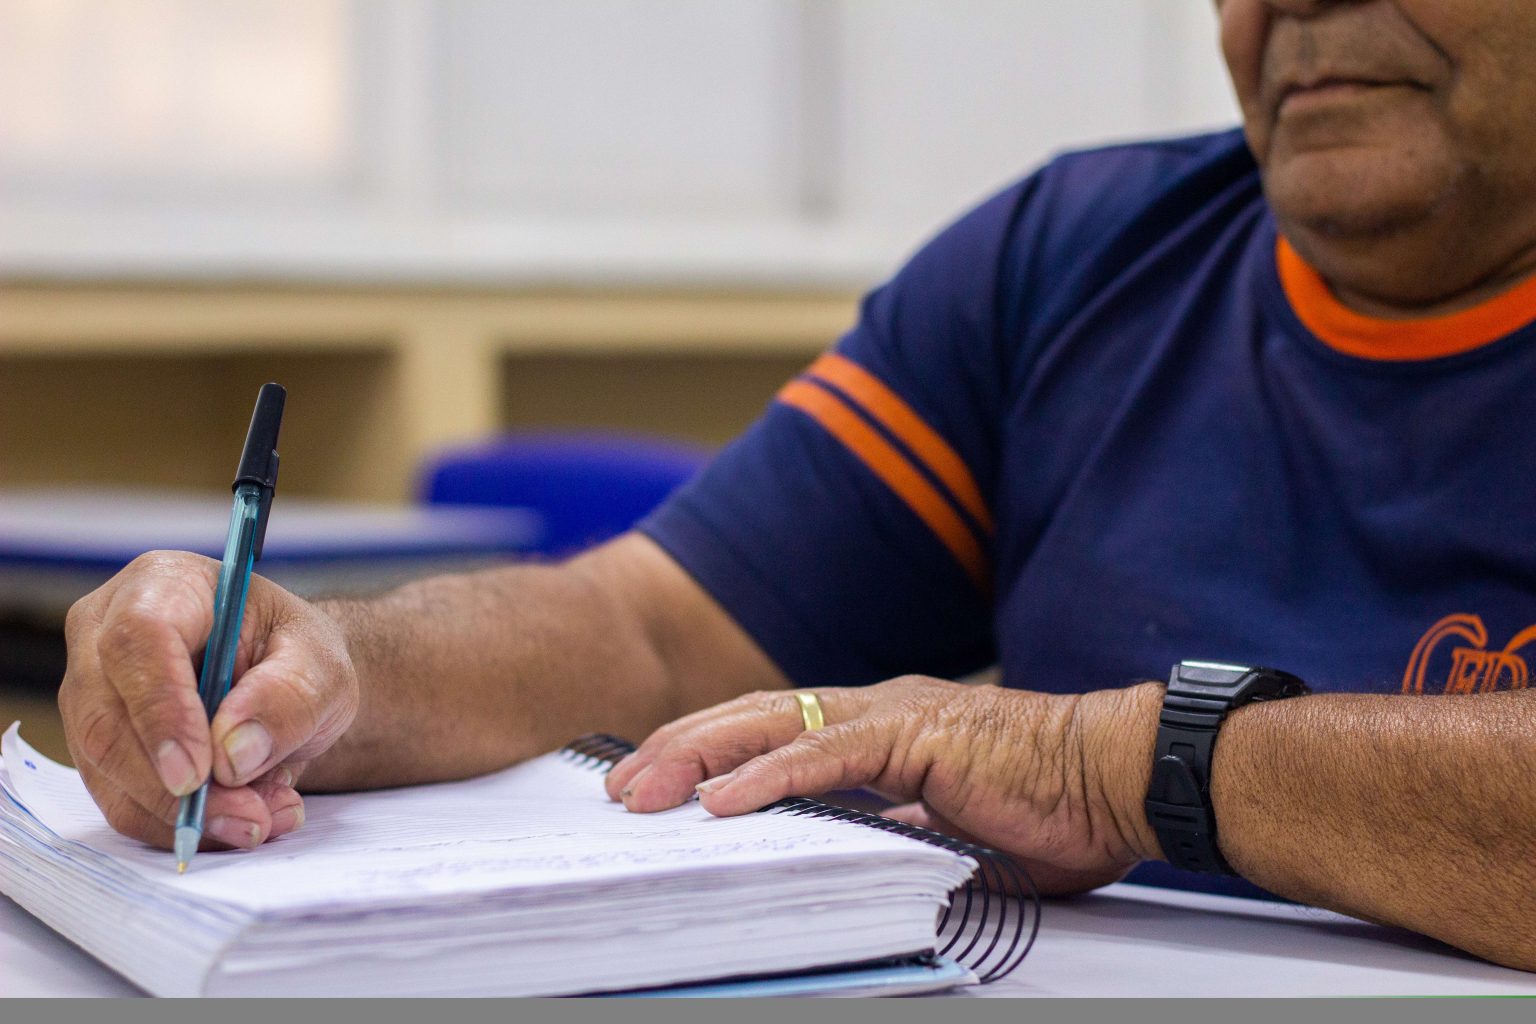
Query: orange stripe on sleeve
{"points": [[893, 468], [891, 412]]}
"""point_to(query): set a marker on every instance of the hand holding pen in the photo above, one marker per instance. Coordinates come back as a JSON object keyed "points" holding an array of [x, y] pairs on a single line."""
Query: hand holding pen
{"points": [[140, 734], [255, 481]]}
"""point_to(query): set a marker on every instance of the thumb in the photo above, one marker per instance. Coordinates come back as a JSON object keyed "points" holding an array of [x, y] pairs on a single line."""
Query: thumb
{"points": [[292, 705]]}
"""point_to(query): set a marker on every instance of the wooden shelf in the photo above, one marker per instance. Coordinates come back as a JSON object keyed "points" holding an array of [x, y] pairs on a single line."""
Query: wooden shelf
{"points": [[140, 384]]}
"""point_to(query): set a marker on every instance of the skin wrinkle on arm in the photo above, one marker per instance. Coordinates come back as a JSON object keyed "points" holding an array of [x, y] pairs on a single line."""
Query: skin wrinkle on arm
{"points": [[1390, 808], [1396, 809]]}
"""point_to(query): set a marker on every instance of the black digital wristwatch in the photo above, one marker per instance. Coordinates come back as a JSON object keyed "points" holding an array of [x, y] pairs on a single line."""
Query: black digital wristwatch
{"points": [[1200, 693]]}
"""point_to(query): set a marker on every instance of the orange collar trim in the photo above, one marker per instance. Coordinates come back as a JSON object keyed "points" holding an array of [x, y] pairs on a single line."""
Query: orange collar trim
{"points": [[1369, 337]]}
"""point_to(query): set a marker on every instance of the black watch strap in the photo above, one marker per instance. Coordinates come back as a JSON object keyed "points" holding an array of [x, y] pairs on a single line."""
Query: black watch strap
{"points": [[1200, 694]]}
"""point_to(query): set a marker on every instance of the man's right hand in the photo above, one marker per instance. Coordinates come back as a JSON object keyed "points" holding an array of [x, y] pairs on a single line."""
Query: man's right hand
{"points": [[136, 726]]}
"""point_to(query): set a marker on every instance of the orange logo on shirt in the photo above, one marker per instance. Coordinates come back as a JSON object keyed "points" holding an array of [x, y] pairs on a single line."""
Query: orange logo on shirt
{"points": [[1473, 667]]}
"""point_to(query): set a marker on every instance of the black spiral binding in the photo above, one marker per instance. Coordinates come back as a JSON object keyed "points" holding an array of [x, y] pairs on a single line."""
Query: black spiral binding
{"points": [[989, 933]]}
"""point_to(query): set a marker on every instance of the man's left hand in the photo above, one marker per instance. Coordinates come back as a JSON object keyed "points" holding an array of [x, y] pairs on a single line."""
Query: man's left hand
{"points": [[1055, 780]]}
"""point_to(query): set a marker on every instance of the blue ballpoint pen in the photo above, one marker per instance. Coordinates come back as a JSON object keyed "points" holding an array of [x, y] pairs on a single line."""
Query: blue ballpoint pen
{"points": [[255, 480]]}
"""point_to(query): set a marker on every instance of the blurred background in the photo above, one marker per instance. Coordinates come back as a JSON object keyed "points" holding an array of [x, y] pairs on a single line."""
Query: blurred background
{"points": [[439, 220]]}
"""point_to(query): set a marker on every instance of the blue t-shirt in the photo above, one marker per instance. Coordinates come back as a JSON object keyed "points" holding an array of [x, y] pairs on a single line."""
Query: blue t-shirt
{"points": [[1087, 432]]}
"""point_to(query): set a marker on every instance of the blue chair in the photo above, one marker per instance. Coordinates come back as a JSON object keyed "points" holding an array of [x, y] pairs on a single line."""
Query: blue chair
{"points": [[587, 486]]}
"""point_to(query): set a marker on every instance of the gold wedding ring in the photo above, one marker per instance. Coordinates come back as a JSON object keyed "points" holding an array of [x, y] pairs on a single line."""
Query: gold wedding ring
{"points": [[810, 710]]}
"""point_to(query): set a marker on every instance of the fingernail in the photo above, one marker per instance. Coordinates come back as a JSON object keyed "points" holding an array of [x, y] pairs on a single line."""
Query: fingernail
{"points": [[176, 769], [234, 831], [283, 776], [629, 790], [248, 746], [287, 820], [719, 781]]}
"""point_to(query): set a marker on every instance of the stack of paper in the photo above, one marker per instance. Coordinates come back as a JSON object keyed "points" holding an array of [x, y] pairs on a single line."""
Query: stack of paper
{"points": [[525, 882]]}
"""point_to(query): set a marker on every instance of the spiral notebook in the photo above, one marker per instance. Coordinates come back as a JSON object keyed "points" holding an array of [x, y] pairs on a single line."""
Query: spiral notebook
{"points": [[527, 881]]}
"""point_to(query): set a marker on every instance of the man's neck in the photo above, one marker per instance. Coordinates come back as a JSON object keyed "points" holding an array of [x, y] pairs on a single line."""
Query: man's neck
{"points": [[1406, 277]]}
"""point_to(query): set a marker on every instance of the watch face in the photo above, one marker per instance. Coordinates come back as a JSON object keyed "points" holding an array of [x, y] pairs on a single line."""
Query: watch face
{"points": [[1234, 684], [1215, 666], [1207, 678]]}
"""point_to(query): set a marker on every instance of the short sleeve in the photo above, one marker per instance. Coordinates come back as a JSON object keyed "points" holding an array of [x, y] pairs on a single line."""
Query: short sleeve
{"points": [[849, 529]]}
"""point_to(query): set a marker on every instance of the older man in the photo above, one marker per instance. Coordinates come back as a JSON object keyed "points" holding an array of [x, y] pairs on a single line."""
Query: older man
{"points": [[1264, 402]]}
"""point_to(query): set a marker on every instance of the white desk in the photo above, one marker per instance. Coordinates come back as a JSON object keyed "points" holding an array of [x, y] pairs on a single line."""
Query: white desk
{"points": [[1125, 940]]}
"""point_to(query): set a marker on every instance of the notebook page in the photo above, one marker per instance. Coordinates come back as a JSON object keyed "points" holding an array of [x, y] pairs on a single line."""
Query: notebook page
{"points": [[538, 827]]}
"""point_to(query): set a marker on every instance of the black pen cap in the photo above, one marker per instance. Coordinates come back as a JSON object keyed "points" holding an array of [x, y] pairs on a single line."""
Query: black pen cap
{"points": [[258, 461]]}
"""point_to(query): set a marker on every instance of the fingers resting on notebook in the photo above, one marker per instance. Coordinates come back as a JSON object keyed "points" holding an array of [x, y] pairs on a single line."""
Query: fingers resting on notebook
{"points": [[137, 729], [1048, 778], [766, 732]]}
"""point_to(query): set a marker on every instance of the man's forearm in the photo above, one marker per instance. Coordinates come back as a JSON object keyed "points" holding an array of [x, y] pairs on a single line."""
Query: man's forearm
{"points": [[1407, 810], [465, 674], [1415, 811]]}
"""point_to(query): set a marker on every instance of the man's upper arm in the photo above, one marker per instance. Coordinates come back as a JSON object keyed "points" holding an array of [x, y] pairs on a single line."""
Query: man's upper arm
{"points": [[707, 655], [848, 530]]}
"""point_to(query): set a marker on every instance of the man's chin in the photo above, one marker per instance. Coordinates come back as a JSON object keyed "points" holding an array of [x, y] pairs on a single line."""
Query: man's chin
{"points": [[1357, 191]]}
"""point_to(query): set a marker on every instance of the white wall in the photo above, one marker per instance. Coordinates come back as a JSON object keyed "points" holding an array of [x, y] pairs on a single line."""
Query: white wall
{"points": [[587, 141]]}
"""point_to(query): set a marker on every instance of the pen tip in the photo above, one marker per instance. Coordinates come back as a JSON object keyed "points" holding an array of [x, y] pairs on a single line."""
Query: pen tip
{"points": [[184, 847]]}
